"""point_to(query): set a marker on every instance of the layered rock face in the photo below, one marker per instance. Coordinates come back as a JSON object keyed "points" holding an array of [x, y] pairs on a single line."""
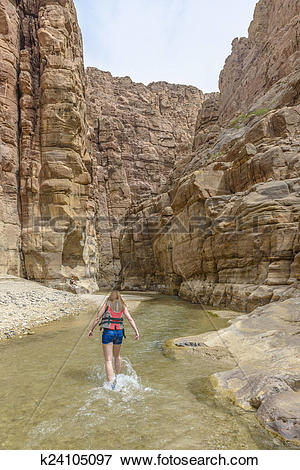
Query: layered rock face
{"points": [[188, 194], [207, 211], [46, 160], [10, 260], [262, 356], [68, 177], [270, 55], [139, 131], [226, 232]]}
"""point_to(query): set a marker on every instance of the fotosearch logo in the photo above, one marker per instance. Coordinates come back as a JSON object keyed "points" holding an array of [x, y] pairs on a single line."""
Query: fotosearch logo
{"points": [[201, 225]]}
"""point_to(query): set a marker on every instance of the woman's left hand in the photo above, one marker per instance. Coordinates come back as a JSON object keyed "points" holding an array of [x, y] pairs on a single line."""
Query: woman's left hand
{"points": [[90, 333]]}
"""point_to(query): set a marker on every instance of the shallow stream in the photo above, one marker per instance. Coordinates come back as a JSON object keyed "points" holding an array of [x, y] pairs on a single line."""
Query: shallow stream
{"points": [[54, 394]]}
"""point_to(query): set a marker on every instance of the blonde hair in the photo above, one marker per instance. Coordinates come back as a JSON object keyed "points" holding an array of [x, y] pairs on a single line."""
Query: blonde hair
{"points": [[115, 301]]}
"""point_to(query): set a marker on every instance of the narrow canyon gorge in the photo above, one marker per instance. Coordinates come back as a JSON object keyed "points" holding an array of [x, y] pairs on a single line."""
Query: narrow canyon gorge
{"points": [[162, 187]]}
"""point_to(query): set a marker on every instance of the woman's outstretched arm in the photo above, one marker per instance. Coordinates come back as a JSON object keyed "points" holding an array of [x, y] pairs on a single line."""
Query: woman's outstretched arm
{"points": [[132, 323], [98, 318]]}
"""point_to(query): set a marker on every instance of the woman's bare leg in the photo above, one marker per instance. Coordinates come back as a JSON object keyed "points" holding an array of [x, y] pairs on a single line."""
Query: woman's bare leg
{"points": [[117, 358], [108, 354]]}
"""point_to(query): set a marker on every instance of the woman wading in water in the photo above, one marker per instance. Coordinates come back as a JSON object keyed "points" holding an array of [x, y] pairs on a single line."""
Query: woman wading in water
{"points": [[111, 316]]}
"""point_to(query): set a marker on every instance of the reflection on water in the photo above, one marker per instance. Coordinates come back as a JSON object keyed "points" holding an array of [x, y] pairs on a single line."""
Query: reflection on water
{"points": [[55, 395]]}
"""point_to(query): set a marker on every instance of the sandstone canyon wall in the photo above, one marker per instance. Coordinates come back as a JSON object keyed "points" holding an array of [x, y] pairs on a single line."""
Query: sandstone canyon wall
{"points": [[74, 161], [9, 154], [226, 229], [162, 187], [268, 58], [138, 132], [47, 192], [183, 192]]}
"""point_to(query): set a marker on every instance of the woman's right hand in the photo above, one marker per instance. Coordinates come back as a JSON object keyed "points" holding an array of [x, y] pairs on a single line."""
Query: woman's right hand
{"points": [[90, 333], [137, 336]]}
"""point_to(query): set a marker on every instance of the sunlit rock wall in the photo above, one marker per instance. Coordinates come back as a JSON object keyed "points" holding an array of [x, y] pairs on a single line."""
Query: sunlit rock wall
{"points": [[269, 56], [46, 160], [226, 231], [10, 230], [139, 131]]}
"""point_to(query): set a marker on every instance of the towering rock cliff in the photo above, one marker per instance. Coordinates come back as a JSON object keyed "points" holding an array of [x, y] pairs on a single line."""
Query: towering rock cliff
{"points": [[226, 230], [127, 176], [47, 191], [139, 131], [66, 183], [268, 59], [183, 192], [9, 151]]}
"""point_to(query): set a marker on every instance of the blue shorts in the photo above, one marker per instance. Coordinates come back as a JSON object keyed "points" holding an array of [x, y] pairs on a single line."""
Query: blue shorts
{"points": [[112, 336]]}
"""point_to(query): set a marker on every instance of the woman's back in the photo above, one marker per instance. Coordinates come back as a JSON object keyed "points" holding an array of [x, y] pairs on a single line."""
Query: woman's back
{"points": [[115, 305], [111, 316]]}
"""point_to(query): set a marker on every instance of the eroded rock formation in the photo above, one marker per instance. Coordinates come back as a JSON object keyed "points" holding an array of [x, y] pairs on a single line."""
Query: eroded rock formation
{"points": [[269, 57], [48, 199], [183, 192], [139, 131], [261, 352], [66, 183], [213, 217], [225, 231], [9, 152]]}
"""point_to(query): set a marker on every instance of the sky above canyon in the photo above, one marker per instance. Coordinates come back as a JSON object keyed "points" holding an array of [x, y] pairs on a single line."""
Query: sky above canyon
{"points": [[178, 41]]}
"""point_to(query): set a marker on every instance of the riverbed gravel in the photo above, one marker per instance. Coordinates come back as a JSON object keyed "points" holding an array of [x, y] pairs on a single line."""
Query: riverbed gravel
{"points": [[25, 304]]}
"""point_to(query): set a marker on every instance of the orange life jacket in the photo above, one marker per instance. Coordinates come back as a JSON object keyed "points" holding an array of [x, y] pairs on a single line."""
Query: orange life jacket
{"points": [[112, 320]]}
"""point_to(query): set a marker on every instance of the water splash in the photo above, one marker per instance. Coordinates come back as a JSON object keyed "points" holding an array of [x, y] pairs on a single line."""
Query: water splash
{"points": [[96, 403], [128, 384]]}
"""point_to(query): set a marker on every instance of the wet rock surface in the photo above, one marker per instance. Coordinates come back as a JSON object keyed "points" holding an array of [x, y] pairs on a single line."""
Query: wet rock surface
{"points": [[281, 414], [265, 355]]}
